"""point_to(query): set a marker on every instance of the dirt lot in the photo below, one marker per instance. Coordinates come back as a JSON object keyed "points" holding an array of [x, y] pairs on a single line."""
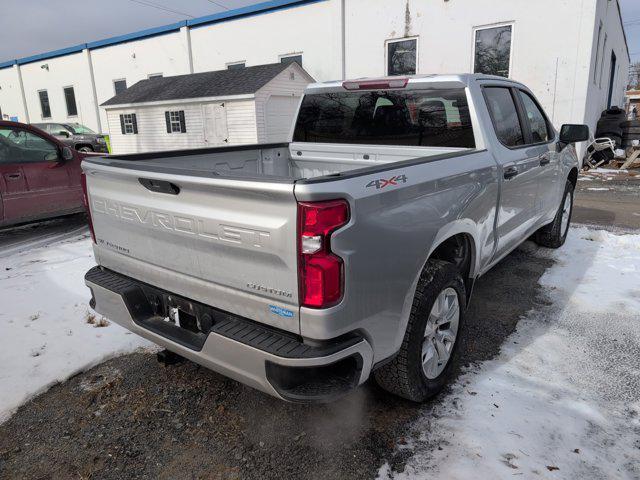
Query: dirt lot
{"points": [[134, 418], [609, 199]]}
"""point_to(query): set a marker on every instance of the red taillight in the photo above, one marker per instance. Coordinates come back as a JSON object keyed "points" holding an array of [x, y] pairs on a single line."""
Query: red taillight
{"points": [[378, 84], [85, 199], [321, 275]]}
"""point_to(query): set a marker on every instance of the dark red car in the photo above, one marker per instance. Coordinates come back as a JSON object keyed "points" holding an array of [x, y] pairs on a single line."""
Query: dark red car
{"points": [[40, 177]]}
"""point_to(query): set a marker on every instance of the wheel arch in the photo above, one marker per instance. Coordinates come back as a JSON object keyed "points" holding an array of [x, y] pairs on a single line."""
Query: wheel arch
{"points": [[573, 176]]}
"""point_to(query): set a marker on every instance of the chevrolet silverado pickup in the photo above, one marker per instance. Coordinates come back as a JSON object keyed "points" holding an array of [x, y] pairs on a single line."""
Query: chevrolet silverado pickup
{"points": [[304, 268]]}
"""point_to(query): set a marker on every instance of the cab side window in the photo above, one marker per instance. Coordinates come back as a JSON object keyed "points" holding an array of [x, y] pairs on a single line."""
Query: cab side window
{"points": [[504, 115], [540, 131], [22, 146]]}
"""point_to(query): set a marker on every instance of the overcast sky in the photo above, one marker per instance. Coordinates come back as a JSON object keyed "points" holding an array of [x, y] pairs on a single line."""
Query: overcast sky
{"points": [[35, 26]]}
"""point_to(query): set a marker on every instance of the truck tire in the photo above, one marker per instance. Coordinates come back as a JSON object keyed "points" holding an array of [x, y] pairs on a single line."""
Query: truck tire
{"points": [[429, 349], [554, 234]]}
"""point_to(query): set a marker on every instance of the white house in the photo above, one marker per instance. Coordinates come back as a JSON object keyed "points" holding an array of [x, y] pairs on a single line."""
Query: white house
{"points": [[571, 53], [226, 107]]}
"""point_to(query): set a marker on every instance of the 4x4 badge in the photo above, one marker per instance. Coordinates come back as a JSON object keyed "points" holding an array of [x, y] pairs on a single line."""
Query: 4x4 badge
{"points": [[385, 182]]}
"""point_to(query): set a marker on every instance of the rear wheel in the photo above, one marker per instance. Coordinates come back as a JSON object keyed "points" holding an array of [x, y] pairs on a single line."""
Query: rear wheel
{"points": [[554, 234], [85, 148], [429, 349]]}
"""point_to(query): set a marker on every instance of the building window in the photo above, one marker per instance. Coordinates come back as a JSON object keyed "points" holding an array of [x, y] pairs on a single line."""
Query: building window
{"points": [[70, 100], [236, 65], [44, 104], [119, 86], [595, 65], [604, 51], [154, 75], [291, 58], [175, 122], [401, 57], [128, 123], [492, 54]]}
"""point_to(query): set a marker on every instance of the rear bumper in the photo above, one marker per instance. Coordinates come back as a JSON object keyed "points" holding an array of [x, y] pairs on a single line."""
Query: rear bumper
{"points": [[270, 360]]}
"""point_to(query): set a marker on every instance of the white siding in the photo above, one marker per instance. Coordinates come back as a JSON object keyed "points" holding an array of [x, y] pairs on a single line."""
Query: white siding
{"points": [[67, 71], [152, 131], [313, 30], [281, 85], [135, 60], [10, 94]]}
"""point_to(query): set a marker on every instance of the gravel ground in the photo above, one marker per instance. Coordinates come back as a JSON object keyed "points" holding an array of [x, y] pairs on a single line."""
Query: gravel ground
{"points": [[134, 418]]}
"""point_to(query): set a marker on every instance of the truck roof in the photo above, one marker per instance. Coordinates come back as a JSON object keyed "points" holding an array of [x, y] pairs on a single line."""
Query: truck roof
{"points": [[443, 80]]}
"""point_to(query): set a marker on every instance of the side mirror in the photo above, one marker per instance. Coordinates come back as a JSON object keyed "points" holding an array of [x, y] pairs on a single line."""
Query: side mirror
{"points": [[570, 133], [62, 133], [67, 154]]}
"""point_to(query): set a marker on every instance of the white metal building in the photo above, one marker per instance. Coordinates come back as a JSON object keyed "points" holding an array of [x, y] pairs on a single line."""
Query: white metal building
{"points": [[225, 107], [571, 53]]}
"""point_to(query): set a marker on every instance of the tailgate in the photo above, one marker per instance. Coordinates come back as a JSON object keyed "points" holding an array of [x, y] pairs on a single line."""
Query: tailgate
{"points": [[228, 243]]}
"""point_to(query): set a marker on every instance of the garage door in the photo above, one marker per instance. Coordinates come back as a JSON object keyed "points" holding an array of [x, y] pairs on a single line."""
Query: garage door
{"points": [[280, 113]]}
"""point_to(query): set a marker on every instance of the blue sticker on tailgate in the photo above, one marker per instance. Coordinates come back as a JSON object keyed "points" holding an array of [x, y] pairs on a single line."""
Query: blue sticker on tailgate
{"points": [[283, 312]]}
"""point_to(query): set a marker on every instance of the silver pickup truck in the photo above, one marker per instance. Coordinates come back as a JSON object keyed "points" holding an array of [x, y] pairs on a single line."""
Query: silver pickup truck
{"points": [[302, 269]]}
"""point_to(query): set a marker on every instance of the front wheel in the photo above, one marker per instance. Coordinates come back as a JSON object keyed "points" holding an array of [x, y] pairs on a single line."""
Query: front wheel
{"points": [[85, 149], [554, 234], [429, 349]]}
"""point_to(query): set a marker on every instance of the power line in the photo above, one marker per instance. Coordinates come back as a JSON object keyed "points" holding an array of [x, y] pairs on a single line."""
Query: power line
{"points": [[160, 7]]}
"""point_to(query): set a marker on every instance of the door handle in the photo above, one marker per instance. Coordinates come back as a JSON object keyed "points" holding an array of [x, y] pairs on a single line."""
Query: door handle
{"points": [[14, 176], [544, 159], [510, 172]]}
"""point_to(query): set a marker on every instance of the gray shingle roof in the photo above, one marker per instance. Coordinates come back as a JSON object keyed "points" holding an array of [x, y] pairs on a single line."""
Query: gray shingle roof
{"points": [[196, 85]]}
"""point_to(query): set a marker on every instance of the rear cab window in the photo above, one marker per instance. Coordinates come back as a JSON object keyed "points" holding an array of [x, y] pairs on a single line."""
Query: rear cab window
{"points": [[428, 118]]}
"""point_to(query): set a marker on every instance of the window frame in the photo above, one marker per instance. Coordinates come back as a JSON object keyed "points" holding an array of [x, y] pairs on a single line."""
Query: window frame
{"points": [[477, 28], [114, 81], [595, 65], [170, 120], [604, 52], [41, 105], [522, 116], [236, 65], [130, 123], [154, 75], [66, 103], [389, 41]]}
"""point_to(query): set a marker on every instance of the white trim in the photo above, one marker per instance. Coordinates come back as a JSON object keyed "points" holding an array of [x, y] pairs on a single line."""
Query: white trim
{"points": [[477, 28], [397, 40], [180, 101]]}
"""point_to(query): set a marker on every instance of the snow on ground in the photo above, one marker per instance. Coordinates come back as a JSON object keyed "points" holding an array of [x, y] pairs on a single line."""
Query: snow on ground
{"points": [[44, 334], [562, 400]]}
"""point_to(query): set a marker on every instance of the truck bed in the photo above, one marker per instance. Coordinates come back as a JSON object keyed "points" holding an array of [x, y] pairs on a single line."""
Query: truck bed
{"points": [[271, 162]]}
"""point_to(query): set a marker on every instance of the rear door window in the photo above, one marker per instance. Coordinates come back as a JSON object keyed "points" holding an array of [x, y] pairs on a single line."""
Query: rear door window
{"points": [[504, 115], [428, 118]]}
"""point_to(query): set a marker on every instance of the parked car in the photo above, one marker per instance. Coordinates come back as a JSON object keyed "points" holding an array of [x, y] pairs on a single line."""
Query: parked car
{"points": [[303, 268], [76, 136], [39, 175]]}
